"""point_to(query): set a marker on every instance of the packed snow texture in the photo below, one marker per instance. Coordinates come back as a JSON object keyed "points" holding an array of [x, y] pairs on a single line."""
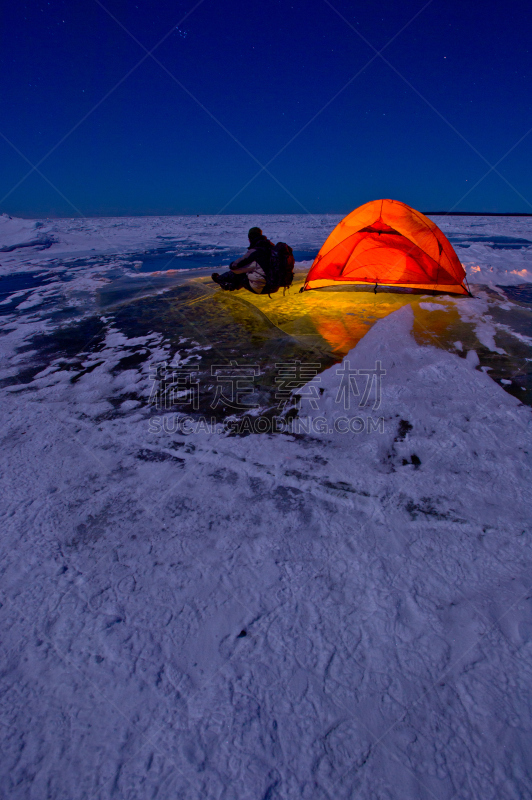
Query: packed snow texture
{"points": [[320, 614]]}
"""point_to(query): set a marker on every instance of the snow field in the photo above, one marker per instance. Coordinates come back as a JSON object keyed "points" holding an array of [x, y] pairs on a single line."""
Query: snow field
{"points": [[385, 599]]}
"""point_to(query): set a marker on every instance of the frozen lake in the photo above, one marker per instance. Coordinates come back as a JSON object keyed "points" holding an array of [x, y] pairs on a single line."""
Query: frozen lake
{"points": [[236, 561]]}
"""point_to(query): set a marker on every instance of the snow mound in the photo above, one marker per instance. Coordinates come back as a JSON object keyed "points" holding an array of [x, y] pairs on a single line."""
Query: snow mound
{"points": [[14, 231], [467, 434]]}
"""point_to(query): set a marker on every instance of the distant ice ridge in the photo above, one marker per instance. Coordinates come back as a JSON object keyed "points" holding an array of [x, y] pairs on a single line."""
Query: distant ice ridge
{"points": [[22, 233]]}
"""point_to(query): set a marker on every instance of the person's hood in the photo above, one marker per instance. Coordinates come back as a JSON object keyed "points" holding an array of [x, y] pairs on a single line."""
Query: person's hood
{"points": [[260, 241]]}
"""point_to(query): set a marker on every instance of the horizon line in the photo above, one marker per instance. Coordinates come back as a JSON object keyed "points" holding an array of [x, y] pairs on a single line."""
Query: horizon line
{"points": [[277, 213]]}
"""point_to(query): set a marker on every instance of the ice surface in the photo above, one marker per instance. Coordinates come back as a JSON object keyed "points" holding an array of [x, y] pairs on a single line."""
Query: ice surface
{"points": [[314, 614], [497, 250]]}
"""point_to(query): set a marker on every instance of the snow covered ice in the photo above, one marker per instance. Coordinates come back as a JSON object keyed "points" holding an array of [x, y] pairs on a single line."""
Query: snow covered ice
{"points": [[312, 614]]}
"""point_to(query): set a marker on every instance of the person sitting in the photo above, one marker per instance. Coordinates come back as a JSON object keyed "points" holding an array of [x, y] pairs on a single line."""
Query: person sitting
{"points": [[250, 271]]}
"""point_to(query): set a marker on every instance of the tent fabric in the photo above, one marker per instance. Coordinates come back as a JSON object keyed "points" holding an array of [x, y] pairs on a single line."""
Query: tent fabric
{"points": [[388, 243]]}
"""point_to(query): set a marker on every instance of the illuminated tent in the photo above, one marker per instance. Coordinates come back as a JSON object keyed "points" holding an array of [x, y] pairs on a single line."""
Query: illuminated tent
{"points": [[387, 243]]}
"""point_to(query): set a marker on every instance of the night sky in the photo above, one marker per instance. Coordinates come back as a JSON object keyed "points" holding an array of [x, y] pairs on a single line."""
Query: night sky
{"points": [[236, 81]]}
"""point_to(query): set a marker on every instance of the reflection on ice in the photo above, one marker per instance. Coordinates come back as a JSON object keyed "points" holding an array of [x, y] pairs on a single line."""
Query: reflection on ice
{"points": [[152, 276], [181, 308]]}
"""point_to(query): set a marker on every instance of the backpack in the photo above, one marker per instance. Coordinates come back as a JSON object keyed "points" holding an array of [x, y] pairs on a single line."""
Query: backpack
{"points": [[281, 269]]}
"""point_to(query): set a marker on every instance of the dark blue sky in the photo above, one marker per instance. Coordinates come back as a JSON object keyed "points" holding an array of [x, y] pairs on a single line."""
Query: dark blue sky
{"points": [[259, 71]]}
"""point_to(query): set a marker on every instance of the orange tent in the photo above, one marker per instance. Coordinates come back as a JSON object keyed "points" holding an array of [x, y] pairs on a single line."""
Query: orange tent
{"points": [[387, 243]]}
